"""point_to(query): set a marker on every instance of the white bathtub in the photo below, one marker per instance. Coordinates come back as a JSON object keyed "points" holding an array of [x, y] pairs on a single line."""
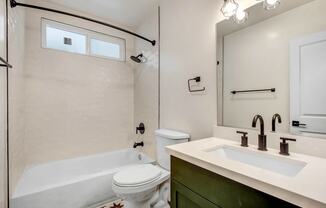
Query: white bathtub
{"points": [[74, 183]]}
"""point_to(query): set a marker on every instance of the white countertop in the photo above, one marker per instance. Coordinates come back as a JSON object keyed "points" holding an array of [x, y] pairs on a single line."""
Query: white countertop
{"points": [[306, 189]]}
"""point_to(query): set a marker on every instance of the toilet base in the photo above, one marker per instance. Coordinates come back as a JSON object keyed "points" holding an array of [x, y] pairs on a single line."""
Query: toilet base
{"points": [[139, 200], [134, 204], [154, 194], [159, 199]]}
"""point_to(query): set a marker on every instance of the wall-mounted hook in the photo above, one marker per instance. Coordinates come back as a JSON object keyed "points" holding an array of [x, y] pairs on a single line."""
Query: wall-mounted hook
{"points": [[196, 79]]}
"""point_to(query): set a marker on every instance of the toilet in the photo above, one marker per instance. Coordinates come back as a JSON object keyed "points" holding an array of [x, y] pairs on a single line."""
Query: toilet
{"points": [[147, 185]]}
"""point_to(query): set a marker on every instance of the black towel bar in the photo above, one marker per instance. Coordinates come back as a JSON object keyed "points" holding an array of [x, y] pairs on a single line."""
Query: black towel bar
{"points": [[196, 79], [260, 90]]}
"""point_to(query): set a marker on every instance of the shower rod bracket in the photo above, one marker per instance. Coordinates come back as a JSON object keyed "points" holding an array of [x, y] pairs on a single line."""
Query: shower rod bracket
{"points": [[4, 63], [14, 3]]}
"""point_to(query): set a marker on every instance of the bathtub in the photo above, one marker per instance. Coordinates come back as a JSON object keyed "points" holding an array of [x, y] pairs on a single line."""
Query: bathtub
{"points": [[74, 183]]}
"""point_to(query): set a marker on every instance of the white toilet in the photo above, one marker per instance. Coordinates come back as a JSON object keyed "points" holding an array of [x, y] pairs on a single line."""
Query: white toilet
{"points": [[147, 185]]}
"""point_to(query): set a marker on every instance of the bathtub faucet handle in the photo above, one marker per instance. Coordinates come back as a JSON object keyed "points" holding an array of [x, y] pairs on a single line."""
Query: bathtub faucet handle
{"points": [[140, 144], [140, 129]]}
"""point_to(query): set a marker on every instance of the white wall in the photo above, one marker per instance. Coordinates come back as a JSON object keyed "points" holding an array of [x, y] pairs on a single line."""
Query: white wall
{"points": [[146, 84], [258, 57], [16, 94], [188, 49], [3, 112], [219, 42]]}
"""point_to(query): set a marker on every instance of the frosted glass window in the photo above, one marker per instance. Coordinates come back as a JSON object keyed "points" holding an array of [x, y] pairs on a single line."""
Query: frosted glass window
{"points": [[106, 49], [63, 37], [65, 41]]}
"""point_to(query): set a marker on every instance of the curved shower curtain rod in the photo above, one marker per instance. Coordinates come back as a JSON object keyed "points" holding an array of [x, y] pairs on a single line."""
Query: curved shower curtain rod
{"points": [[13, 4]]}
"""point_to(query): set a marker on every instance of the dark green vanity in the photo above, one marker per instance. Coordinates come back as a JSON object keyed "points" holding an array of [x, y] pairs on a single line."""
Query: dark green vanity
{"points": [[195, 187]]}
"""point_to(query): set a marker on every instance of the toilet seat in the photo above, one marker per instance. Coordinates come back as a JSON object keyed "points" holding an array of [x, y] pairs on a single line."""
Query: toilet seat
{"points": [[138, 175], [124, 181]]}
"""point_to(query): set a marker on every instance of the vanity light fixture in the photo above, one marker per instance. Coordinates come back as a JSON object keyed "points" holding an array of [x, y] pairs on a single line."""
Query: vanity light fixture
{"points": [[232, 9], [271, 4], [229, 8], [241, 16]]}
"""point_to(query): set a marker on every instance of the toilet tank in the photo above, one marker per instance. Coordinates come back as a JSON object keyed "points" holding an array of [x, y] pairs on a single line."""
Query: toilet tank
{"points": [[166, 137]]}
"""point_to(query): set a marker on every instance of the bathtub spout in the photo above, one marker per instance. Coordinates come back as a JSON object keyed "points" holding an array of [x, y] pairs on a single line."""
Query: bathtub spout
{"points": [[140, 144]]}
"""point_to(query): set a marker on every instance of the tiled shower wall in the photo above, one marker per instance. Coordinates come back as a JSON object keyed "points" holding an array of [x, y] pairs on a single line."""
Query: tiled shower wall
{"points": [[146, 93], [65, 105], [75, 105], [16, 94]]}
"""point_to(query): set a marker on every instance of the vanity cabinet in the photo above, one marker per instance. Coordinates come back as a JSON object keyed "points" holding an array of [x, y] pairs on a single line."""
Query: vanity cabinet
{"points": [[195, 187]]}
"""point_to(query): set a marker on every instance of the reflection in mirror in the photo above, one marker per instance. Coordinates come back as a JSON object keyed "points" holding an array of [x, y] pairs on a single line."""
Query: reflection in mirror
{"points": [[277, 57]]}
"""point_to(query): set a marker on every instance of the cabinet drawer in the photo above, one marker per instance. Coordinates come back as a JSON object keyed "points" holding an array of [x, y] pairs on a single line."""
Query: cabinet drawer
{"points": [[220, 190]]}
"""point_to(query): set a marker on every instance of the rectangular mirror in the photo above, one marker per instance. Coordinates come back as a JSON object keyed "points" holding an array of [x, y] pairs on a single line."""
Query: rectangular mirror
{"points": [[274, 63]]}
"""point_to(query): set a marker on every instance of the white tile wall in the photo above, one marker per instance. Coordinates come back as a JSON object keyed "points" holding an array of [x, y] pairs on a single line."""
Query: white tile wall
{"points": [[146, 84]]}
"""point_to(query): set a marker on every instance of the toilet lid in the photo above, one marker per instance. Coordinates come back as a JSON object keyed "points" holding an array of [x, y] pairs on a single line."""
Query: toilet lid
{"points": [[137, 175]]}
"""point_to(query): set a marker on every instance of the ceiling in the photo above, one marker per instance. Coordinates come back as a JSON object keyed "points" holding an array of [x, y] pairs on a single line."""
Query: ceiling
{"points": [[126, 12]]}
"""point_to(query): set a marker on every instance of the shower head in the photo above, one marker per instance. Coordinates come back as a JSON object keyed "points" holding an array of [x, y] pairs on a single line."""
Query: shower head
{"points": [[137, 59]]}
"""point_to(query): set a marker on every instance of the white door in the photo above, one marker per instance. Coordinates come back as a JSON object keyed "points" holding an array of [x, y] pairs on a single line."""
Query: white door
{"points": [[308, 84], [3, 96]]}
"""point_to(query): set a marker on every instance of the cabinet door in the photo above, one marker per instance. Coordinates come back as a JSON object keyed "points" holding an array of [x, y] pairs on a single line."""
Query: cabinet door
{"points": [[182, 197], [220, 190]]}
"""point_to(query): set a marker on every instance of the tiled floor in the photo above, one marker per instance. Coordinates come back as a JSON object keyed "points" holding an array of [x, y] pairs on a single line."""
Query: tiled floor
{"points": [[115, 204]]}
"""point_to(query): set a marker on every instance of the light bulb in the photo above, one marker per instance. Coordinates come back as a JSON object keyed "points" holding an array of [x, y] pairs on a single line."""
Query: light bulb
{"points": [[240, 16], [229, 8], [271, 1], [271, 4]]}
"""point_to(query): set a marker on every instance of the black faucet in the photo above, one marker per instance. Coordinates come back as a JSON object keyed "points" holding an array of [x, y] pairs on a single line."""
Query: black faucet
{"points": [[262, 139], [140, 144], [279, 119]]}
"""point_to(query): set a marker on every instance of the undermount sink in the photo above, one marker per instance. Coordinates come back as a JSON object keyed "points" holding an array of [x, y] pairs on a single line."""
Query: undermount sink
{"points": [[277, 164]]}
